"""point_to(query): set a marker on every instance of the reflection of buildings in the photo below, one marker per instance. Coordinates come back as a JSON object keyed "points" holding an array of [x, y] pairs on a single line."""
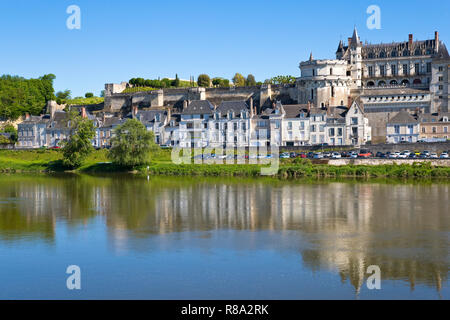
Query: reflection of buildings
{"points": [[343, 227]]}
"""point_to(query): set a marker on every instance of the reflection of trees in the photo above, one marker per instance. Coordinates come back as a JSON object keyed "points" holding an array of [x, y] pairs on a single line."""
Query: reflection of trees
{"points": [[343, 227]]}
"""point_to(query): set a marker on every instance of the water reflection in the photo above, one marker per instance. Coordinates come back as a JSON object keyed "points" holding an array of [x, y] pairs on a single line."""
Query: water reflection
{"points": [[341, 227]]}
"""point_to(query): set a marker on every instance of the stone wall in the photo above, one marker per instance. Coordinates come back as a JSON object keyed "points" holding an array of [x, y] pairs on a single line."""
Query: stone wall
{"points": [[378, 162], [261, 95]]}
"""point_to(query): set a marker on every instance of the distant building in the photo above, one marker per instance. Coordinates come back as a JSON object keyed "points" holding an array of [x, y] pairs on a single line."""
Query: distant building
{"points": [[402, 128], [434, 127]]}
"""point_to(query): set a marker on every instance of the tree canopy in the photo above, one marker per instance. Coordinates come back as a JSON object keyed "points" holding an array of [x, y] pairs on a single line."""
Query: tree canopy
{"points": [[19, 95], [239, 80], [132, 144], [79, 143], [204, 80], [250, 81]]}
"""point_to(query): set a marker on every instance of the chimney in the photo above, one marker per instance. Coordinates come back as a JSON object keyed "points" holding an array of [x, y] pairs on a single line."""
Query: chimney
{"points": [[436, 40], [349, 102], [185, 105], [410, 42], [83, 112], [349, 41], [251, 106], [134, 111], [27, 116], [309, 106]]}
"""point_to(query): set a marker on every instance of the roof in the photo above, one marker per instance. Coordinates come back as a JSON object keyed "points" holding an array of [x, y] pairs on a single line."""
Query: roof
{"points": [[392, 91], [434, 117], [150, 116], [235, 106], [295, 110], [111, 121], [403, 117], [199, 107]]}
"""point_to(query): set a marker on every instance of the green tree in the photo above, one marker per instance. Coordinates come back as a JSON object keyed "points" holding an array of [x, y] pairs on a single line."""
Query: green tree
{"points": [[89, 95], [176, 82], [9, 128], [283, 80], [239, 80], [251, 81], [132, 144], [203, 80], [79, 142], [221, 82]]}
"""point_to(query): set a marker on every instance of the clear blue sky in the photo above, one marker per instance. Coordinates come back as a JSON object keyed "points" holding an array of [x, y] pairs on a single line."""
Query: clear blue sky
{"points": [[119, 40]]}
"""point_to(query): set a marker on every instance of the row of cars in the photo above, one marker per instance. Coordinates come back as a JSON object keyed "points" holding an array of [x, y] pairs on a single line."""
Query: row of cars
{"points": [[366, 154], [412, 155]]}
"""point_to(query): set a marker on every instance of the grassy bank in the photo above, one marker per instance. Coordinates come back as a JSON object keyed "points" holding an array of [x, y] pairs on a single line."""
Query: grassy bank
{"points": [[97, 162]]}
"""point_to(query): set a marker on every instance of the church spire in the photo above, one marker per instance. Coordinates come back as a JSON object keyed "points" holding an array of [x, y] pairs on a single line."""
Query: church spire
{"points": [[311, 57], [340, 47]]}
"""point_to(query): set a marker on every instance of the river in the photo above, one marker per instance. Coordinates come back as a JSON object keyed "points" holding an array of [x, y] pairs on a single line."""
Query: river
{"points": [[194, 238]]}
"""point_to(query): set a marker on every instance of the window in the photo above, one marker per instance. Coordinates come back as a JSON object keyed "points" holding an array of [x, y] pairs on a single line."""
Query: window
{"points": [[434, 130], [424, 130], [235, 126], [394, 69], [441, 78], [339, 132], [302, 125], [410, 129], [428, 67], [244, 127], [331, 132], [445, 129], [354, 121], [397, 129], [441, 87], [217, 126], [441, 69], [313, 128], [417, 68], [382, 71], [289, 125], [331, 71], [322, 128], [405, 69]]}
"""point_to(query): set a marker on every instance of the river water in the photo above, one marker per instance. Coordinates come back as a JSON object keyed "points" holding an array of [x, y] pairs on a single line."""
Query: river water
{"points": [[194, 238]]}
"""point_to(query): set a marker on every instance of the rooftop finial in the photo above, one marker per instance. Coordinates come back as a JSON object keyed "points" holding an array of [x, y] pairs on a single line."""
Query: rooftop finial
{"points": [[311, 57]]}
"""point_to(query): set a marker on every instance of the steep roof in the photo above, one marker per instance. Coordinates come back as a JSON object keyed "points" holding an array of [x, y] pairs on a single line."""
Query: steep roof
{"points": [[295, 110], [199, 107], [234, 106], [403, 117]]}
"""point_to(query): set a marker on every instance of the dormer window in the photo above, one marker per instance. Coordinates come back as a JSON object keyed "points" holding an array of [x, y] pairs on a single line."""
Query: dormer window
{"points": [[445, 119], [230, 115], [158, 117]]}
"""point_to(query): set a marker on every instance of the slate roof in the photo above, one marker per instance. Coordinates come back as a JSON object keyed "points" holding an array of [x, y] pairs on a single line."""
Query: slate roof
{"points": [[150, 116], [434, 117], [393, 91], [235, 106], [295, 110], [403, 117], [199, 107]]}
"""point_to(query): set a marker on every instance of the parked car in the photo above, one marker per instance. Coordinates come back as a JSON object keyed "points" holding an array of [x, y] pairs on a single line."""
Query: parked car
{"points": [[427, 153], [310, 155], [336, 155], [293, 155], [285, 155], [327, 155], [345, 155], [364, 154], [379, 154], [55, 147], [407, 152], [394, 155], [302, 155], [353, 155], [434, 156], [318, 155], [412, 156], [444, 155], [424, 156], [402, 155]]}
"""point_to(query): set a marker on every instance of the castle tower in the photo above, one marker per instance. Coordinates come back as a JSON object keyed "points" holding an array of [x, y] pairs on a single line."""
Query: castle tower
{"points": [[356, 59]]}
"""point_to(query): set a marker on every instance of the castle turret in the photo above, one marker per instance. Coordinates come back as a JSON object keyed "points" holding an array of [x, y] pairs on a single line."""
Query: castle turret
{"points": [[356, 59]]}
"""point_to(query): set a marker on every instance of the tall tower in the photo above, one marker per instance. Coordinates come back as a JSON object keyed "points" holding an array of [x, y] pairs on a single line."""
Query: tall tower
{"points": [[356, 60]]}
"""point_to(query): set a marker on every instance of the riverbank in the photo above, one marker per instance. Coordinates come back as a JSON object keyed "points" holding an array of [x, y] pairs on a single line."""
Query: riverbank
{"points": [[48, 161]]}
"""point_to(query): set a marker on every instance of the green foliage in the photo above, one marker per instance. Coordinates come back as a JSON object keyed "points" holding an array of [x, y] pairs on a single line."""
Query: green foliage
{"points": [[9, 128], [239, 80], [19, 95], [250, 81], [84, 101], [282, 80], [78, 146], [141, 84], [203, 80], [132, 144], [221, 82], [88, 95]]}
